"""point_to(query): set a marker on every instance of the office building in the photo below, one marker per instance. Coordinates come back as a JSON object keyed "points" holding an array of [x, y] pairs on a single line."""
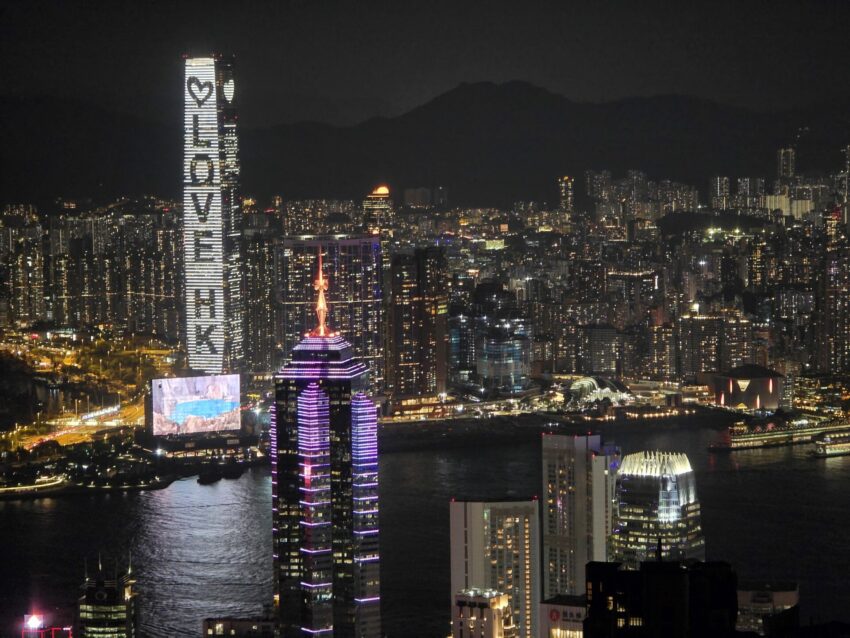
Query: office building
{"points": [[562, 616], [107, 607], [656, 505], [579, 481], [324, 453], [417, 352], [378, 212], [665, 599], [482, 613], [212, 217], [354, 263], [495, 546]]}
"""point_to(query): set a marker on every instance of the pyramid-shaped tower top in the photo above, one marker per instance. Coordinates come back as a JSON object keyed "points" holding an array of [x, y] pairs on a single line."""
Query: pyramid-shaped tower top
{"points": [[321, 285]]}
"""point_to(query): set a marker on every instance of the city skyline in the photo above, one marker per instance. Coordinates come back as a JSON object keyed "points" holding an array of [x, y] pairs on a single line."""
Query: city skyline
{"points": [[501, 362]]}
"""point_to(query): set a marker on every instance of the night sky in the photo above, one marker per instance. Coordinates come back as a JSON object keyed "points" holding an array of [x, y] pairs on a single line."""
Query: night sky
{"points": [[342, 62]]}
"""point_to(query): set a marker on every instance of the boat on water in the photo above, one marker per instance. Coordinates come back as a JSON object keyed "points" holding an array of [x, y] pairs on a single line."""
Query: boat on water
{"points": [[232, 470], [832, 444], [763, 433], [209, 475]]}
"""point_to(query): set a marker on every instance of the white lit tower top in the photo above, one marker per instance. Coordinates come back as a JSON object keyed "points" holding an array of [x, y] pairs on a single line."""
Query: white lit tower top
{"points": [[211, 217]]}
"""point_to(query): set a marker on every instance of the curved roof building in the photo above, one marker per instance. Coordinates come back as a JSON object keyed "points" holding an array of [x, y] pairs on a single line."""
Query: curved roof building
{"points": [[657, 504]]}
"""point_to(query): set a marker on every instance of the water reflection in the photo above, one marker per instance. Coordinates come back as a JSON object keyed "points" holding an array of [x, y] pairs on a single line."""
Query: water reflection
{"points": [[206, 550]]}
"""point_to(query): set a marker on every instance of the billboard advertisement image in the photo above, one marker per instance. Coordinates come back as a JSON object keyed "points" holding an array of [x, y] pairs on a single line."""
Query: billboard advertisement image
{"points": [[191, 405]]}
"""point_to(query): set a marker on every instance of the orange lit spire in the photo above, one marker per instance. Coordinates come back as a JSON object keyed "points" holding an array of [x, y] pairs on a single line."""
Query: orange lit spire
{"points": [[321, 285]]}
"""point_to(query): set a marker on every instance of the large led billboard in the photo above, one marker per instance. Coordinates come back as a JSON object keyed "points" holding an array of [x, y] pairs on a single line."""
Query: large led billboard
{"points": [[190, 405]]}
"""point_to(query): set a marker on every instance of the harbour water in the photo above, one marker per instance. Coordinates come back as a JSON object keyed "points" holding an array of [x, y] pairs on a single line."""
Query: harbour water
{"points": [[205, 550]]}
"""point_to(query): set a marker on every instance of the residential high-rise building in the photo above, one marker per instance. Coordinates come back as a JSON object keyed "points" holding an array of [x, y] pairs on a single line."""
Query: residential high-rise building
{"points": [[565, 195], [482, 613], [258, 247], [700, 339], [22, 267], [579, 480], [355, 302], [417, 352], [495, 545], [786, 164], [212, 217], [833, 304], [107, 607], [720, 192], [324, 452], [657, 509]]}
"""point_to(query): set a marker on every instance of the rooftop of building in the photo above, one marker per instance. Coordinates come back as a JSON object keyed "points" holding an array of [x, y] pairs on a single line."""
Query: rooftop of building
{"points": [[752, 371], [655, 463]]}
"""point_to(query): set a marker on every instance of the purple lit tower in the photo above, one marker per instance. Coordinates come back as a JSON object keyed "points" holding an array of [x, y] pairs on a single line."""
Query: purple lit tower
{"points": [[325, 489]]}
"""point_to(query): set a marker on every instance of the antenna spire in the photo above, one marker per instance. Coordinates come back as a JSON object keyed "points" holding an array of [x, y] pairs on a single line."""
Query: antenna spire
{"points": [[321, 285]]}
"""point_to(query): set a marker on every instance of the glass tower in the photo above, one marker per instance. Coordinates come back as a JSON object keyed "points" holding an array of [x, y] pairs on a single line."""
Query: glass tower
{"points": [[325, 489], [656, 505], [211, 217]]}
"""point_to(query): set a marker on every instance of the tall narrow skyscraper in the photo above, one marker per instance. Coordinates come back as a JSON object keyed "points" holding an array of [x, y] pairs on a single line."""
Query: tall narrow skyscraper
{"points": [[579, 481], [211, 217], [324, 450], [418, 344]]}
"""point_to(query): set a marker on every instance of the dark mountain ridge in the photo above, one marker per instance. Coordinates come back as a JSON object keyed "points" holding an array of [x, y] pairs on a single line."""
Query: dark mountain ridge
{"points": [[489, 144]]}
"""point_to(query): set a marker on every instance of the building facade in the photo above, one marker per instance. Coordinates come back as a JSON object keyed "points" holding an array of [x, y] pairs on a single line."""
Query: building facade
{"points": [[212, 218], [107, 607], [324, 451], [496, 546], [656, 505], [354, 264], [579, 480], [482, 613], [417, 352]]}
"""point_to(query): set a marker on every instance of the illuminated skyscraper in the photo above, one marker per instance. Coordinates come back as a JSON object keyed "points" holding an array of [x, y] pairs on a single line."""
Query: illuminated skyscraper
{"points": [[324, 451], [786, 164], [579, 478], [378, 210], [211, 217], [355, 302], [656, 504], [565, 194], [107, 607], [720, 192], [21, 267], [258, 241], [497, 546], [418, 346]]}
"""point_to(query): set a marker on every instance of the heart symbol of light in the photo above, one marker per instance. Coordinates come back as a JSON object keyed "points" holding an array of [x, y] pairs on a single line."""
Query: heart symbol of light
{"points": [[200, 91], [229, 88]]}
